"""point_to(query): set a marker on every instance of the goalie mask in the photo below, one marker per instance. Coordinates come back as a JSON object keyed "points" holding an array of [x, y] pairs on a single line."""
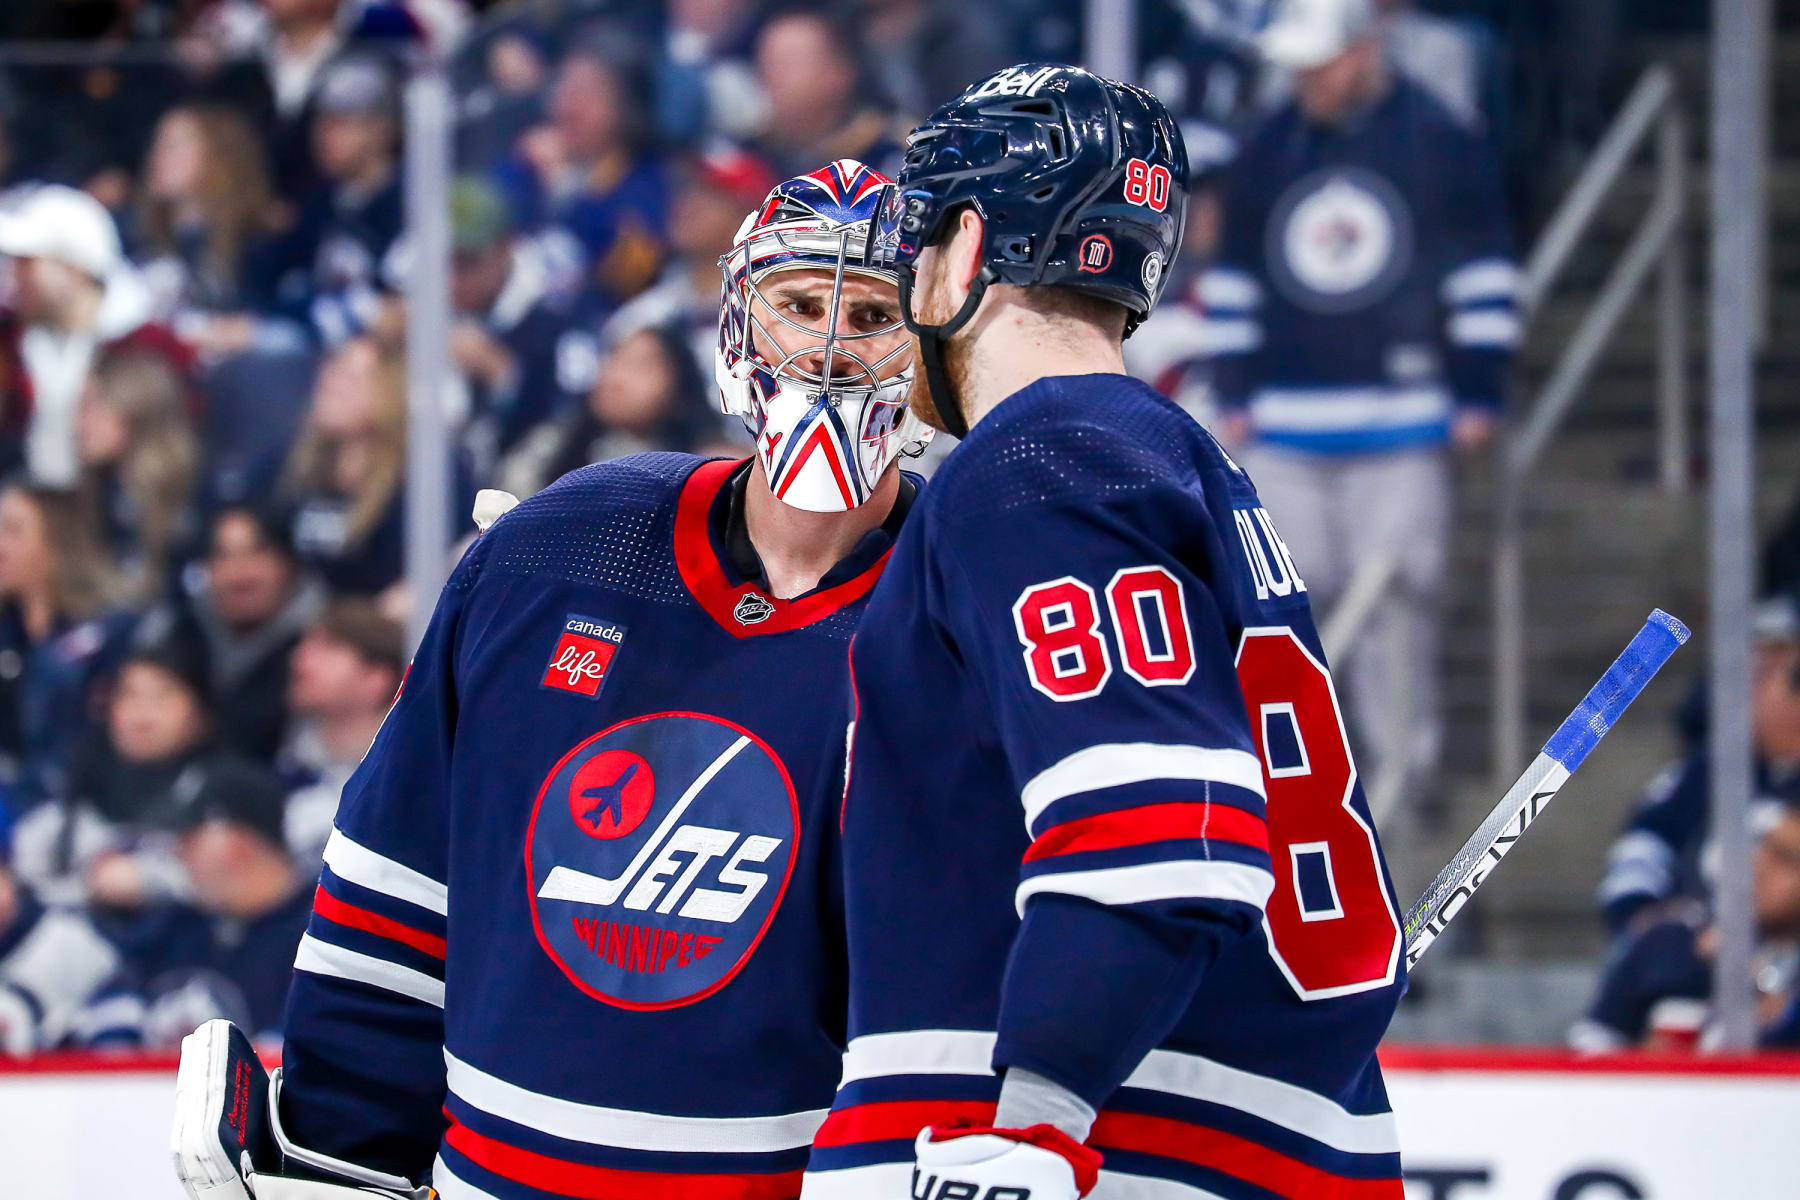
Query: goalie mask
{"points": [[813, 356]]}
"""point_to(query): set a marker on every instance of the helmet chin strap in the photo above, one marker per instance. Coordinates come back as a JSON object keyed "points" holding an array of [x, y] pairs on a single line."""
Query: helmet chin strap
{"points": [[931, 345]]}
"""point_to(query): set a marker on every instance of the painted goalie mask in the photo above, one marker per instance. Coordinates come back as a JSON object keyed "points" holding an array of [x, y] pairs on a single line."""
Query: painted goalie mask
{"points": [[816, 368]]}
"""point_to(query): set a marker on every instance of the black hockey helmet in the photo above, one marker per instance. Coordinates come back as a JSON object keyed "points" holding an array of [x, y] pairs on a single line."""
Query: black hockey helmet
{"points": [[1080, 181]]}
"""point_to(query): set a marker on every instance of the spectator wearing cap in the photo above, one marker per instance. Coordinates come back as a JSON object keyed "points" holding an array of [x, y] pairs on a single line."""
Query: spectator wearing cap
{"points": [[589, 171], [346, 671], [74, 294], [647, 396], [522, 355], [714, 191], [226, 947], [329, 269], [1658, 985], [820, 104], [61, 637], [245, 605], [1662, 853], [1362, 319]]}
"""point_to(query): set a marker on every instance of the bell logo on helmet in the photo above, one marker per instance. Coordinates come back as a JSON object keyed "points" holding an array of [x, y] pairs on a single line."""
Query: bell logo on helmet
{"points": [[1013, 82], [1095, 254]]}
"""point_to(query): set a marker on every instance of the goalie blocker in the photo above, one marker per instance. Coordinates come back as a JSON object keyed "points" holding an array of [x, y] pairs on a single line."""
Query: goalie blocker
{"points": [[228, 1142]]}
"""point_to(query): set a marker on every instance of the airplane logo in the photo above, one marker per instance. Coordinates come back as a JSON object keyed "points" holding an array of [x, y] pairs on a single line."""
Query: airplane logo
{"points": [[611, 795]]}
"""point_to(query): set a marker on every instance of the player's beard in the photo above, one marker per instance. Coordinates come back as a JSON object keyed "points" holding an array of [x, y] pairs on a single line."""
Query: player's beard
{"points": [[935, 308]]}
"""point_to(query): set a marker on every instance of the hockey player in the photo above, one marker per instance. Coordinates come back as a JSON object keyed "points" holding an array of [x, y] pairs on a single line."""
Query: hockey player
{"points": [[576, 932], [1112, 892]]}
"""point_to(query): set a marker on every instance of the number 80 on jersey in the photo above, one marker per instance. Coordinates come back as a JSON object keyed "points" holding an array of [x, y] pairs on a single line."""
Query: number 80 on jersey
{"points": [[1066, 655]]}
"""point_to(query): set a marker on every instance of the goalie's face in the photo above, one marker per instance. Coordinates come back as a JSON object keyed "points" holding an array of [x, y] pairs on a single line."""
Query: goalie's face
{"points": [[855, 338], [814, 357]]}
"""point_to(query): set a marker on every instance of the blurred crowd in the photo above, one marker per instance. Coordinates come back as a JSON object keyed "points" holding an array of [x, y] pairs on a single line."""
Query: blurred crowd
{"points": [[1657, 986], [203, 410]]}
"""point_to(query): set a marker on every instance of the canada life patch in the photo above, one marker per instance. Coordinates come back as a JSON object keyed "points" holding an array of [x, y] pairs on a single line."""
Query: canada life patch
{"points": [[583, 655], [658, 853]]}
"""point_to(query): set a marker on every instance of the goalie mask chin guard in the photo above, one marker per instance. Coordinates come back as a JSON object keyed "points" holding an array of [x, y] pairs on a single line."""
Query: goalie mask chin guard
{"points": [[1080, 182], [828, 414]]}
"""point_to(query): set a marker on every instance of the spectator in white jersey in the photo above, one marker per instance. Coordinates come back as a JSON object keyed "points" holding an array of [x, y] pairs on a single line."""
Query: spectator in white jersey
{"points": [[1362, 318]]}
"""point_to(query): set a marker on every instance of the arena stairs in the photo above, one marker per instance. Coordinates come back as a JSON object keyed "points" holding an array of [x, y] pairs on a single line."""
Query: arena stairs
{"points": [[1603, 546]]}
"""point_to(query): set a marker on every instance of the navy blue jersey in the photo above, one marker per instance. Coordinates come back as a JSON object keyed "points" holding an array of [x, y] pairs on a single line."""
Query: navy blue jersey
{"points": [[1657, 855], [576, 933], [1365, 282], [1655, 982], [1101, 822]]}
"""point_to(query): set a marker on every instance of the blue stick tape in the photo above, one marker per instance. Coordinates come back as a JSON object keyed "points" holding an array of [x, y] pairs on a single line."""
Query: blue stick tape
{"points": [[1660, 637]]}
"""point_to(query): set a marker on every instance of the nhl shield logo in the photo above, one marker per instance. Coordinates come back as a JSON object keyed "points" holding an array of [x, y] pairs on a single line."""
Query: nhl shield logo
{"points": [[658, 853], [753, 609]]}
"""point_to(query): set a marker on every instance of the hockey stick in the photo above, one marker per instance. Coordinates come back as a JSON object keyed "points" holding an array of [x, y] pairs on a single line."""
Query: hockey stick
{"points": [[1660, 637]]}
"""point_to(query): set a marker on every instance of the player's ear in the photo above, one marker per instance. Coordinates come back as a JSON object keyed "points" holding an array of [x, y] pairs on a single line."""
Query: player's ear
{"points": [[964, 257]]}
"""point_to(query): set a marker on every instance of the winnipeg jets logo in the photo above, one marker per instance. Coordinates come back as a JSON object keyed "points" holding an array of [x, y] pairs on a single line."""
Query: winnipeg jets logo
{"points": [[753, 609], [1340, 239], [658, 853]]}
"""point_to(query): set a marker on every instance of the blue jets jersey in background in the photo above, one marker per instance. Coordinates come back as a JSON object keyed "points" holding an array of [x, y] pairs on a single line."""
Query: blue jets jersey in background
{"points": [[1088, 690], [1365, 284], [577, 932]]}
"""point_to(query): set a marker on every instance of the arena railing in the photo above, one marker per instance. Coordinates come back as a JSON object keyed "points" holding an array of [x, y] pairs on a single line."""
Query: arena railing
{"points": [[1652, 115]]}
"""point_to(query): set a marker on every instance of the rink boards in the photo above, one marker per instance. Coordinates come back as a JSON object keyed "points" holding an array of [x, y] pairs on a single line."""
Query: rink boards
{"points": [[1475, 1125]]}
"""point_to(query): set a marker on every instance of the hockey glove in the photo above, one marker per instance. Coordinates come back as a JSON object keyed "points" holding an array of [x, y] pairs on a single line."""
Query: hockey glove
{"points": [[1040, 1163], [228, 1144]]}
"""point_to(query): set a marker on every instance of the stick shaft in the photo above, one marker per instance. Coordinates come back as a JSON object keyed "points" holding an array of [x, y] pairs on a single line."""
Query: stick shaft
{"points": [[1532, 792]]}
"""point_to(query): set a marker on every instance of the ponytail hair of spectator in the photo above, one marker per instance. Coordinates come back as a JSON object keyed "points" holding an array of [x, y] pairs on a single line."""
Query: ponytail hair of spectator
{"points": [[235, 197], [160, 467], [314, 464]]}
